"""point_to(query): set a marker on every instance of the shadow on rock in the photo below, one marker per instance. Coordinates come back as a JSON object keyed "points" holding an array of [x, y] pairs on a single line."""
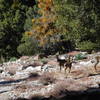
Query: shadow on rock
{"points": [[11, 81], [90, 94]]}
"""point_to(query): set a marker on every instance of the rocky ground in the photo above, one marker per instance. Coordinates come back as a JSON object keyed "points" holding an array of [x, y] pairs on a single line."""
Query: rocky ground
{"points": [[24, 80]]}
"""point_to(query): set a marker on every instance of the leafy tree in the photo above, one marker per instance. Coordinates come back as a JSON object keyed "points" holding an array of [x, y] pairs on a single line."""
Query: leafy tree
{"points": [[67, 20], [78, 20], [87, 46], [12, 18], [90, 21], [43, 26], [28, 46], [27, 41], [30, 14], [44, 29]]}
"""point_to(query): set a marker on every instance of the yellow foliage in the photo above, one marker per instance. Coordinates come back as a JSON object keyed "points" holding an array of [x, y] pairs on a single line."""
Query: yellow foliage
{"points": [[39, 28], [43, 30], [44, 20], [38, 38], [45, 26], [47, 8], [48, 1], [45, 4], [28, 33], [40, 11], [43, 41], [40, 0], [42, 27], [33, 20], [50, 32], [41, 5]]}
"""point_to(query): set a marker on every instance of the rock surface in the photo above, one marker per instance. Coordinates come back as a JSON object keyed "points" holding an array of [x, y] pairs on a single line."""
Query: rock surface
{"points": [[24, 79]]}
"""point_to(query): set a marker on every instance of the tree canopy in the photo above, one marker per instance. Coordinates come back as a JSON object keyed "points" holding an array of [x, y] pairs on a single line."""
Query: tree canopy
{"points": [[53, 24]]}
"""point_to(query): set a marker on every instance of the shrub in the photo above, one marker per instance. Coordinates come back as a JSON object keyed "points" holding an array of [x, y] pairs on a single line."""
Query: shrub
{"points": [[13, 59], [44, 61], [28, 46], [87, 46], [47, 78], [59, 89], [80, 56]]}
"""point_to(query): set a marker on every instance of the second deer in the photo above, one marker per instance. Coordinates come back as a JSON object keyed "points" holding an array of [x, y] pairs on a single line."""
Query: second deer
{"points": [[65, 61], [97, 60], [68, 63]]}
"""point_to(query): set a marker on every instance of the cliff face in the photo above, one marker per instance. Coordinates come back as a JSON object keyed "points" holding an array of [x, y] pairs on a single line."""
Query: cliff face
{"points": [[24, 80]]}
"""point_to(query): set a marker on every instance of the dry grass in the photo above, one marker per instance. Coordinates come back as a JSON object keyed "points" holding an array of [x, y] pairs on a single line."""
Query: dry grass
{"points": [[11, 71], [60, 88], [47, 78], [21, 88]]}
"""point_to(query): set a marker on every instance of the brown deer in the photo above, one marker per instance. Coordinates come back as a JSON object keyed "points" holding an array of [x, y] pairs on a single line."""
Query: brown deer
{"points": [[61, 60], [97, 61], [65, 61], [68, 63]]}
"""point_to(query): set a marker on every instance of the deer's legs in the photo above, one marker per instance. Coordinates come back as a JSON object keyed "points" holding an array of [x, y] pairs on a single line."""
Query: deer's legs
{"points": [[70, 66], [60, 66], [69, 69], [66, 68], [97, 61]]}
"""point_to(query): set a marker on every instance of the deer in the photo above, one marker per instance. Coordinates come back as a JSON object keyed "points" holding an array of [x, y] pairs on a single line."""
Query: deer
{"points": [[68, 63], [65, 61], [97, 58], [61, 60]]}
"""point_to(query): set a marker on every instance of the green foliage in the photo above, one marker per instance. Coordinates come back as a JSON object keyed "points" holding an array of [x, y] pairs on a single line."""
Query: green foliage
{"points": [[28, 46], [11, 28], [13, 59], [80, 56], [2, 59], [44, 60], [67, 22], [30, 14], [75, 21], [13, 15], [90, 22], [79, 21], [87, 46]]}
